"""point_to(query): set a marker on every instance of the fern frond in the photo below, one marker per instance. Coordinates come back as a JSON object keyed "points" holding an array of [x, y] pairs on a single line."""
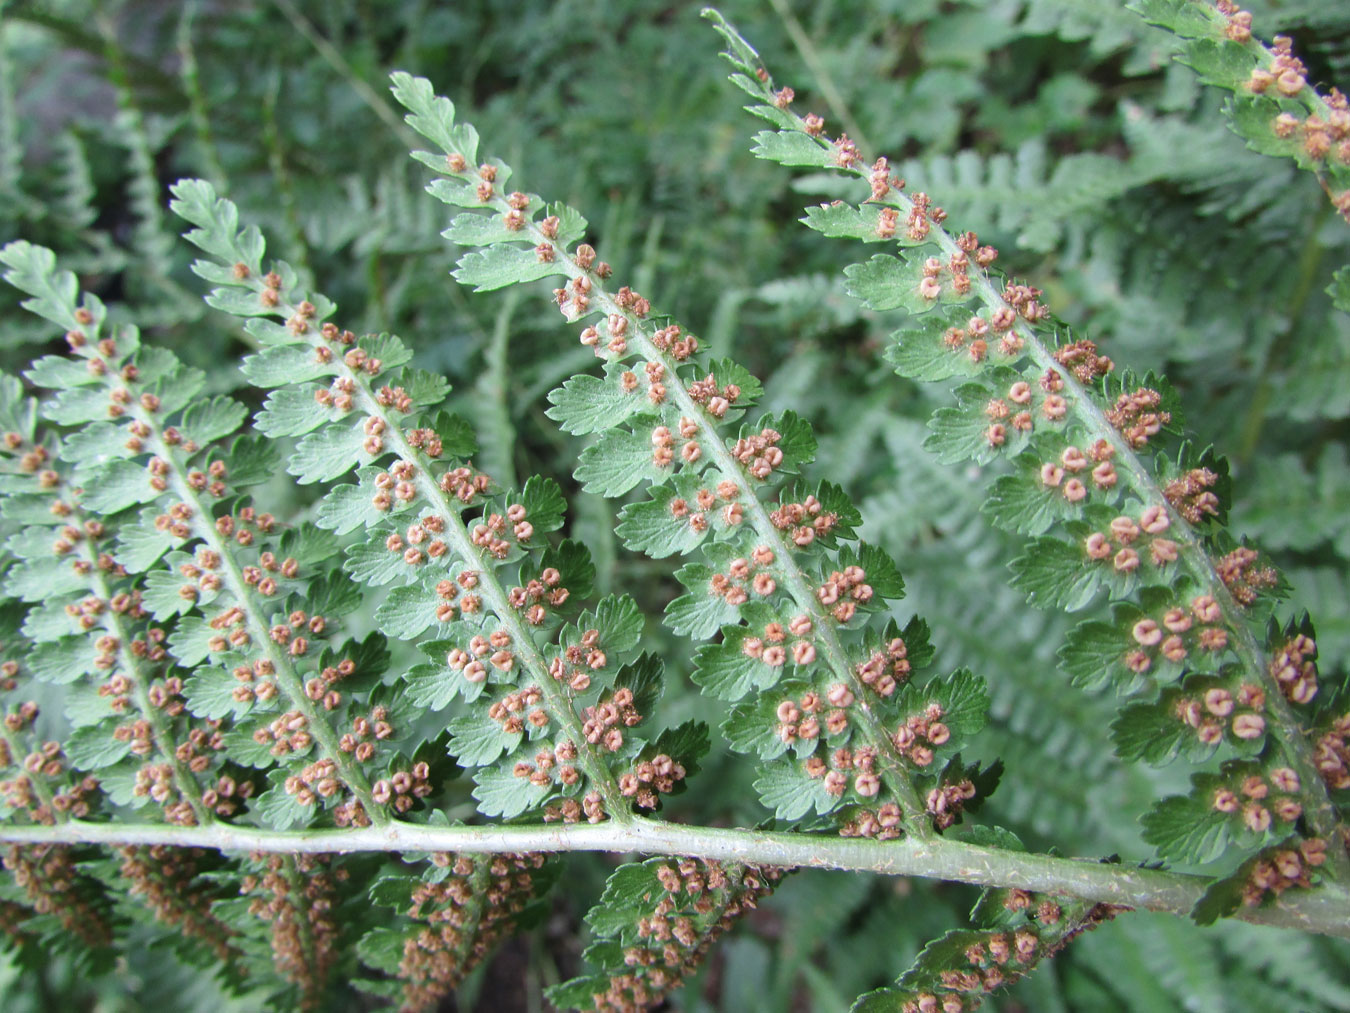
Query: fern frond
{"points": [[654, 924], [1082, 445], [75, 201], [292, 691], [527, 732], [151, 241], [198, 111], [243, 568], [784, 577], [459, 908], [52, 883]]}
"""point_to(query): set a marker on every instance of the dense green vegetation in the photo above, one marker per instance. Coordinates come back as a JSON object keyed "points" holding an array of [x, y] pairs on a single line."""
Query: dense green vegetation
{"points": [[1061, 131]]}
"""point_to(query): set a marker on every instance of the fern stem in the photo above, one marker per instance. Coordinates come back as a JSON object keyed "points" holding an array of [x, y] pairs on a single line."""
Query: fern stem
{"points": [[1325, 911], [310, 983], [192, 87], [11, 151]]}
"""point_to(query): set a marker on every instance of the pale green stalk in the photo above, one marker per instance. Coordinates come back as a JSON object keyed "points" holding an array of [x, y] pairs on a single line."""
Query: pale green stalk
{"points": [[1325, 911]]}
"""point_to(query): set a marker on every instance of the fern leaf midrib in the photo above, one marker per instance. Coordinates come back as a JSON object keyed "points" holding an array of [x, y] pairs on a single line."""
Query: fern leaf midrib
{"points": [[480, 879], [295, 880]]}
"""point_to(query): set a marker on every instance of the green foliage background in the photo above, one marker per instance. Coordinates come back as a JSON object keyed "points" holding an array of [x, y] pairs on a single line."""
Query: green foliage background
{"points": [[1058, 129]]}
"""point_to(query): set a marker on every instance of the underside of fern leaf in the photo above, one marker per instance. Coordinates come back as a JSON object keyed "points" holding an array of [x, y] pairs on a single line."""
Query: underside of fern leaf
{"points": [[306, 684], [1116, 505]]}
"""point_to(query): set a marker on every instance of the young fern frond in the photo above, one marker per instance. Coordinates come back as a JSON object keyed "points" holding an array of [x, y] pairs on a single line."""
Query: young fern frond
{"points": [[1109, 510]]}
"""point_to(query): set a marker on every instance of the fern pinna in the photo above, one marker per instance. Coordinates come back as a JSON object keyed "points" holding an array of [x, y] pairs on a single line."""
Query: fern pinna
{"points": [[1116, 502], [192, 680]]}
